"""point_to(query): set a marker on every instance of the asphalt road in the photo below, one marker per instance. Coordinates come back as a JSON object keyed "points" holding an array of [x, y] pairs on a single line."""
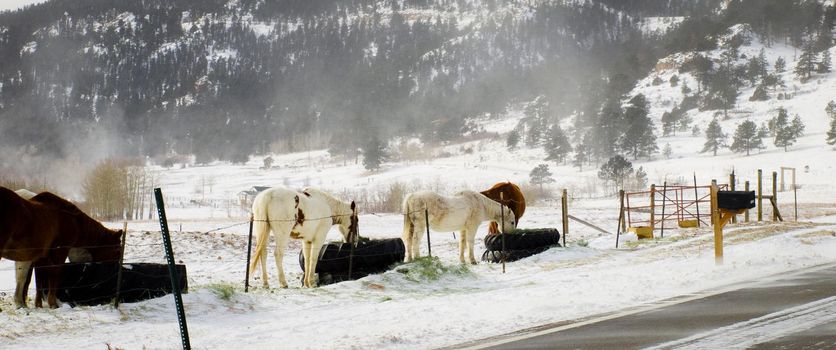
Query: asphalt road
{"points": [[792, 311]]}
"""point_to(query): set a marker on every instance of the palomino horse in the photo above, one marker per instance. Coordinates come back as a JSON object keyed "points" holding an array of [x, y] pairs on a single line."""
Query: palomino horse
{"points": [[463, 212], [306, 215], [511, 197], [44, 229]]}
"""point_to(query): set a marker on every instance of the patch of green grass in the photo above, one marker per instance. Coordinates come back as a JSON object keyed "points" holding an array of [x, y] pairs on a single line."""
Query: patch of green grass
{"points": [[583, 243], [386, 298], [223, 291], [431, 269]]}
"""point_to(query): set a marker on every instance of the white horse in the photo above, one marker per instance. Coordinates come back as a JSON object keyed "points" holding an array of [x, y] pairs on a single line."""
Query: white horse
{"points": [[464, 212], [306, 215]]}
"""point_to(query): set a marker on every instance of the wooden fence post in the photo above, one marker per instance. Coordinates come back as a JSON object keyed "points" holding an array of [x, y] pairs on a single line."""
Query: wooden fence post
{"points": [[795, 199], [652, 207], [775, 195], [119, 271], [713, 202], [732, 187], [664, 196], [718, 227], [760, 195], [746, 213], [620, 216], [565, 215]]}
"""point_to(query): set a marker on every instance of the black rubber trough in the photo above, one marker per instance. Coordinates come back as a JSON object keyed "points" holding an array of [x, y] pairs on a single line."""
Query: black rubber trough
{"points": [[370, 256], [520, 244], [95, 283]]}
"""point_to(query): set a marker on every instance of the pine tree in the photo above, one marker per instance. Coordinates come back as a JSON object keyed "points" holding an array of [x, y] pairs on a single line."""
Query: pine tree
{"points": [[582, 151], [805, 66], [780, 65], [714, 137], [786, 132], [374, 153], [536, 113], [616, 169], [756, 68], [513, 139], [540, 175], [831, 112], [746, 138], [608, 127], [825, 63], [667, 151], [668, 123], [557, 145], [639, 139]]}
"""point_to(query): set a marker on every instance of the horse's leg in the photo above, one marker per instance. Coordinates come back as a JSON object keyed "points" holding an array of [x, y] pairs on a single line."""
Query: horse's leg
{"points": [[316, 246], [417, 234], [278, 254], [462, 244], [40, 285], [23, 275], [471, 240], [306, 252], [408, 230], [54, 279]]}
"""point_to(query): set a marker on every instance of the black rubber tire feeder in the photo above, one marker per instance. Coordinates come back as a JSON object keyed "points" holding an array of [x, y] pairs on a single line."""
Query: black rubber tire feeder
{"points": [[523, 239], [95, 283], [495, 256], [370, 256]]}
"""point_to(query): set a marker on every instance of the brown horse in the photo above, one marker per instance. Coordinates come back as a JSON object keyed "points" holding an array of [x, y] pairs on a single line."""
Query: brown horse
{"points": [[512, 197], [44, 229]]}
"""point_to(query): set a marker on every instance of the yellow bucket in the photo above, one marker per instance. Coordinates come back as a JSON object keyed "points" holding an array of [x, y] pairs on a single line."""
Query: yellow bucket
{"points": [[688, 223], [642, 231]]}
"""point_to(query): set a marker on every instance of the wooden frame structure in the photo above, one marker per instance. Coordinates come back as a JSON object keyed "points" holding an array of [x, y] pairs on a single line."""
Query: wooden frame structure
{"points": [[675, 202]]}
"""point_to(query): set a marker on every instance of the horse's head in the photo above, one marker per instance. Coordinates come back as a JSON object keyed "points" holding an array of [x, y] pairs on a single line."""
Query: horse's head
{"points": [[348, 224], [506, 219], [106, 246]]}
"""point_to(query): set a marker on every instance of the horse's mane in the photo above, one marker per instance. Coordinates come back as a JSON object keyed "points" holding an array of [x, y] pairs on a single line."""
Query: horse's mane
{"points": [[514, 198], [333, 202], [53, 200], [87, 222]]}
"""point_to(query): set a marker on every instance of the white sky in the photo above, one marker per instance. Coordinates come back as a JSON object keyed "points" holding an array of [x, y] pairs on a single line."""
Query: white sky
{"points": [[16, 4]]}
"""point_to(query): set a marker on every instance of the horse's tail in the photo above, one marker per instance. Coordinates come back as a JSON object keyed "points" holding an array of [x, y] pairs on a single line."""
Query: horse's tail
{"points": [[261, 229], [408, 225]]}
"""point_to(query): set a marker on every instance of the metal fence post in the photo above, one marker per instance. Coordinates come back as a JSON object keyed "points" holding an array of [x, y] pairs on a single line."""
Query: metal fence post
{"points": [[502, 230], [249, 256], [427, 221], [119, 267], [172, 271]]}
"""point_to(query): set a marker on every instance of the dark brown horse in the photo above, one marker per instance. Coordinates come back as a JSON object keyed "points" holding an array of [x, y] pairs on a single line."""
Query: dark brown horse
{"points": [[512, 197], [44, 229]]}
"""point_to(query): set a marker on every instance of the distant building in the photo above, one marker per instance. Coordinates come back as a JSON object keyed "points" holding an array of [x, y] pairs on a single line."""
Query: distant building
{"points": [[245, 198]]}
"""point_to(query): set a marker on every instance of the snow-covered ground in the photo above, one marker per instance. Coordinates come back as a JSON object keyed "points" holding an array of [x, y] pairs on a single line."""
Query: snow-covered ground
{"points": [[444, 303]]}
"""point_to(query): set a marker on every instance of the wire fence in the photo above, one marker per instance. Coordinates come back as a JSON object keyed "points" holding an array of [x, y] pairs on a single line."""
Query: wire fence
{"points": [[161, 256]]}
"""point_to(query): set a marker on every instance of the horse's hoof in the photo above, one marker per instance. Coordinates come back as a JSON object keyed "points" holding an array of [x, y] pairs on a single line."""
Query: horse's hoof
{"points": [[472, 263]]}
